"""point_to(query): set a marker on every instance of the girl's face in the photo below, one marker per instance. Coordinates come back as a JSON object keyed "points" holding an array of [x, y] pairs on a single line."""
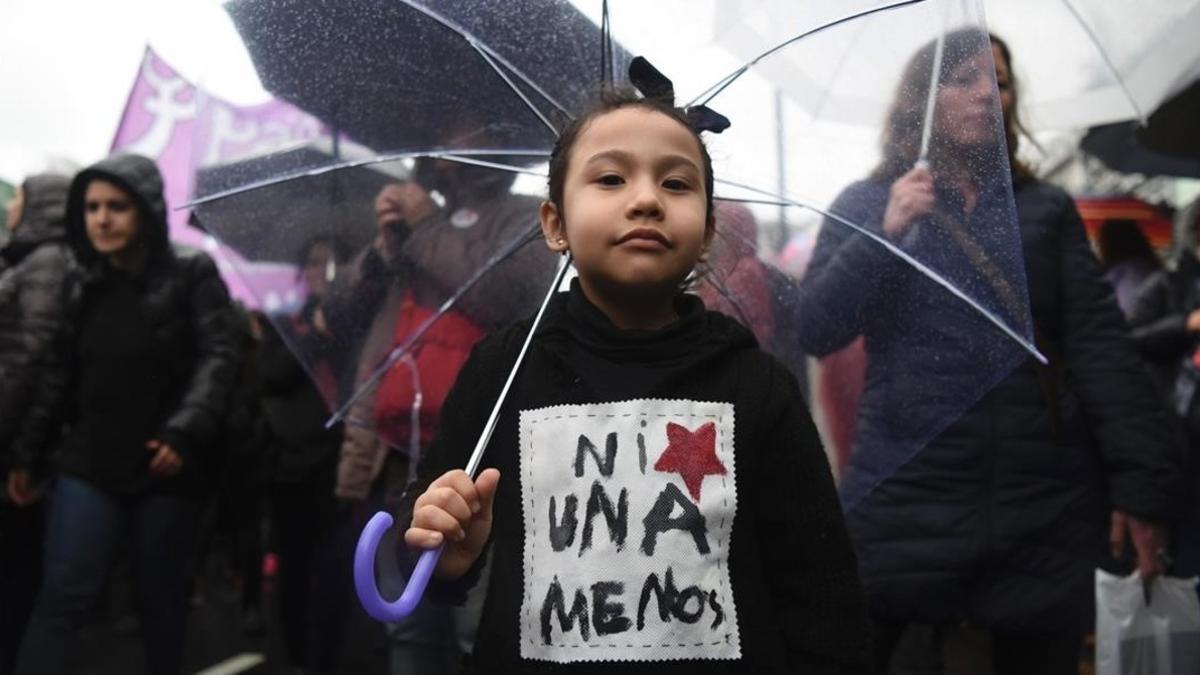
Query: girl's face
{"points": [[110, 216], [964, 102], [634, 205]]}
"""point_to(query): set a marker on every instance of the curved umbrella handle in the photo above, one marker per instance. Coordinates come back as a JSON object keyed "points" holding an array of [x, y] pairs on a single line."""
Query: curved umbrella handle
{"points": [[364, 574]]}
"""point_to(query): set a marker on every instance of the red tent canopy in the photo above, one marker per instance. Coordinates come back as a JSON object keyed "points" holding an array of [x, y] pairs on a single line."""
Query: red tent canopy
{"points": [[1154, 221]]}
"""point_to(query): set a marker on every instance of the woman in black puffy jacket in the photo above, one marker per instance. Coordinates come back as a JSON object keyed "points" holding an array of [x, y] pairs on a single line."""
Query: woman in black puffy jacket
{"points": [[143, 377]]}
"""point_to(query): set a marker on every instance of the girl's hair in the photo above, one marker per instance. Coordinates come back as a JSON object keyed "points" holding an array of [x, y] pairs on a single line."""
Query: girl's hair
{"points": [[905, 118], [610, 100]]}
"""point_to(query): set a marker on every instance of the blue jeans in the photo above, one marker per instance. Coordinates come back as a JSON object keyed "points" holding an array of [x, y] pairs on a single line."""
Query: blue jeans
{"points": [[85, 526]]}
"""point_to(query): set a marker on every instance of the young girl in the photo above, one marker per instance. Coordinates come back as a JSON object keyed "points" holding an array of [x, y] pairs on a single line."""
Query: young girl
{"points": [[655, 496]]}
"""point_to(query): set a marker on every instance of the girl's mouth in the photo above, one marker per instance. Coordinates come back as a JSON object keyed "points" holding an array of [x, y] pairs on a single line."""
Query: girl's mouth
{"points": [[644, 236]]}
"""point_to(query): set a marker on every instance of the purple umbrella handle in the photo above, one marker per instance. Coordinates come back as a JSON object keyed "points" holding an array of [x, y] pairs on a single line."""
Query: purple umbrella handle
{"points": [[364, 574]]}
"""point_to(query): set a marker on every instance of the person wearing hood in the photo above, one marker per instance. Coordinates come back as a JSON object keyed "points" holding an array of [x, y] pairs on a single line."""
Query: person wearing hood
{"points": [[36, 262], [144, 376]]}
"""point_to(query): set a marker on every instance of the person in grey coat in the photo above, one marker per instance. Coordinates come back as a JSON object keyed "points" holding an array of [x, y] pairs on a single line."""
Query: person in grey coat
{"points": [[35, 264]]}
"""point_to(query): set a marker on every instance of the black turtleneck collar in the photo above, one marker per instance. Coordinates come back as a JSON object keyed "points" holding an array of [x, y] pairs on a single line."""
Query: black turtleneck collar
{"points": [[618, 363]]}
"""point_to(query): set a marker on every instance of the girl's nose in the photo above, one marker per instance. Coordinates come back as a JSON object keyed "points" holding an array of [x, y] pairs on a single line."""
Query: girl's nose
{"points": [[645, 202]]}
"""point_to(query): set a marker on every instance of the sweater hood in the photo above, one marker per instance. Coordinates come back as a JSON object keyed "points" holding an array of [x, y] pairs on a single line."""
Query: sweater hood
{"points": [[139, 176], [43, 216]]}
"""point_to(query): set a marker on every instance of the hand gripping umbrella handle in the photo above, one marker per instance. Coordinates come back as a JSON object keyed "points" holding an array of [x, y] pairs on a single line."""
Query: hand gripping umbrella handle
{"points": [[368, 541], [364, 574]]}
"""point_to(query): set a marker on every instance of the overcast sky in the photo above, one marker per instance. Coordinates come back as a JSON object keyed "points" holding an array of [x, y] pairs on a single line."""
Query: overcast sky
{"points": [[67, 67]]}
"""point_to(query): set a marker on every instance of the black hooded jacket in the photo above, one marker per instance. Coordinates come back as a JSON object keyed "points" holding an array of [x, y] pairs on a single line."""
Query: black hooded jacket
{"points": [[36, 265], [792, 573], [151, 354]]}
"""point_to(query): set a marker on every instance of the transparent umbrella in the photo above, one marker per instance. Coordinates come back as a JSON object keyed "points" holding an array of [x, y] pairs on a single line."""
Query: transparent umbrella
{"points": [[468, 97]]}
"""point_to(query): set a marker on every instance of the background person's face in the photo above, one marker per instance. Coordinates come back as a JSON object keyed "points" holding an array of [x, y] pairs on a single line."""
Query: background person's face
{"points": [[110, 216], [964, 102], [316, 270], [12, 210]]}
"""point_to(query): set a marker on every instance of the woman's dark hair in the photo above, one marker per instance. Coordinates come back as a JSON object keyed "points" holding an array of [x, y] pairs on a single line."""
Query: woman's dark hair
{"points": [[901, 140], [1121, 240], [1013, 127], [609, 100]]}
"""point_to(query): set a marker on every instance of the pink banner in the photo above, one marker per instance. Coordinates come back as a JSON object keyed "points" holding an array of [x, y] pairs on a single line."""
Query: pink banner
{"points": [[161, 122]]}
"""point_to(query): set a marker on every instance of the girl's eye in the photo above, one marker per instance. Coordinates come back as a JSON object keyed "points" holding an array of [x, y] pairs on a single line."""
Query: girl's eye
{"points": [[610, 179], [676, 184]]}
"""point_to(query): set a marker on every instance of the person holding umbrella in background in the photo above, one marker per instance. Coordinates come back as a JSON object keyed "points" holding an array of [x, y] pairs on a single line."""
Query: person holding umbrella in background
{"points": [[1000, 521]]}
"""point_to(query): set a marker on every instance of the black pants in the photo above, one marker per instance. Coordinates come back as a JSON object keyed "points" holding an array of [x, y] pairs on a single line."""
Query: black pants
{"points": [[1009, 653], [303, 518], [22, 530]]}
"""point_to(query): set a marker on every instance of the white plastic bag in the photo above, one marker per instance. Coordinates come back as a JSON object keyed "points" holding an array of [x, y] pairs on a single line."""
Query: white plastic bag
{"points": [[1133, 638]]}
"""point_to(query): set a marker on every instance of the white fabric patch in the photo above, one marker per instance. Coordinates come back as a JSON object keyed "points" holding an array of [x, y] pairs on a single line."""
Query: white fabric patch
{"points": [[628, 510]]}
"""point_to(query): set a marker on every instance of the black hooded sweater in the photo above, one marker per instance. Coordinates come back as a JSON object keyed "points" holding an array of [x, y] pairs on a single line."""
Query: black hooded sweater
{"points": [[715, 547], [151, 353]]}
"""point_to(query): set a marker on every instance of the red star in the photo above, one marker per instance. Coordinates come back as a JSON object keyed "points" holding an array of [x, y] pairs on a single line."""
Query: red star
{"points": [[691, 454]]}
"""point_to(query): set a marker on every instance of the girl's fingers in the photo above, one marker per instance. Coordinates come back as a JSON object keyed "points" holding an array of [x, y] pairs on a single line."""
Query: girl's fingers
{"points": [[416, 537], [486, 485], [448, 500], [431, 517], [460, 482]]}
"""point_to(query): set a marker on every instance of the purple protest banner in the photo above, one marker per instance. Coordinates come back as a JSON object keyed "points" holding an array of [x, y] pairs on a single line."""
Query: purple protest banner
{"points": [[160, 122]]}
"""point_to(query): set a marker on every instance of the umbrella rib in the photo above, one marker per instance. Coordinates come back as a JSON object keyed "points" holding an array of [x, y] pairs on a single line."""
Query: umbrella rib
{"points": [[729, 79], [403, 348], [916, 264], [746, 200], [493, 165], [1107, 61], [466, 35], [511, 85], [456, 155]]}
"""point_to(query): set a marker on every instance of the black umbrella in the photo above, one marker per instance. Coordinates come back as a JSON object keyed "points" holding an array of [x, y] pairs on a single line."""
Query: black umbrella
{"points": [[330, 57], [1167, 145]]}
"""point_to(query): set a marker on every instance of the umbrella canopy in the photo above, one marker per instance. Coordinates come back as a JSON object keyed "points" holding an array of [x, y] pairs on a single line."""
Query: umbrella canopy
{"points": [[1081, 62], [336, 204], [476, 116], [397, 77]]}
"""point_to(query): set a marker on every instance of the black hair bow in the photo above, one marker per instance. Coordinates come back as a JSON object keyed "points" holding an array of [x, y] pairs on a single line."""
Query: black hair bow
{"points": [[652, 84]]}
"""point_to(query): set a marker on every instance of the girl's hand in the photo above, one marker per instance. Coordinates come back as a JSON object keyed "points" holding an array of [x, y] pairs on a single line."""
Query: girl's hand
{"points": [[458, 512], [910, 198], [165, 462]]}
